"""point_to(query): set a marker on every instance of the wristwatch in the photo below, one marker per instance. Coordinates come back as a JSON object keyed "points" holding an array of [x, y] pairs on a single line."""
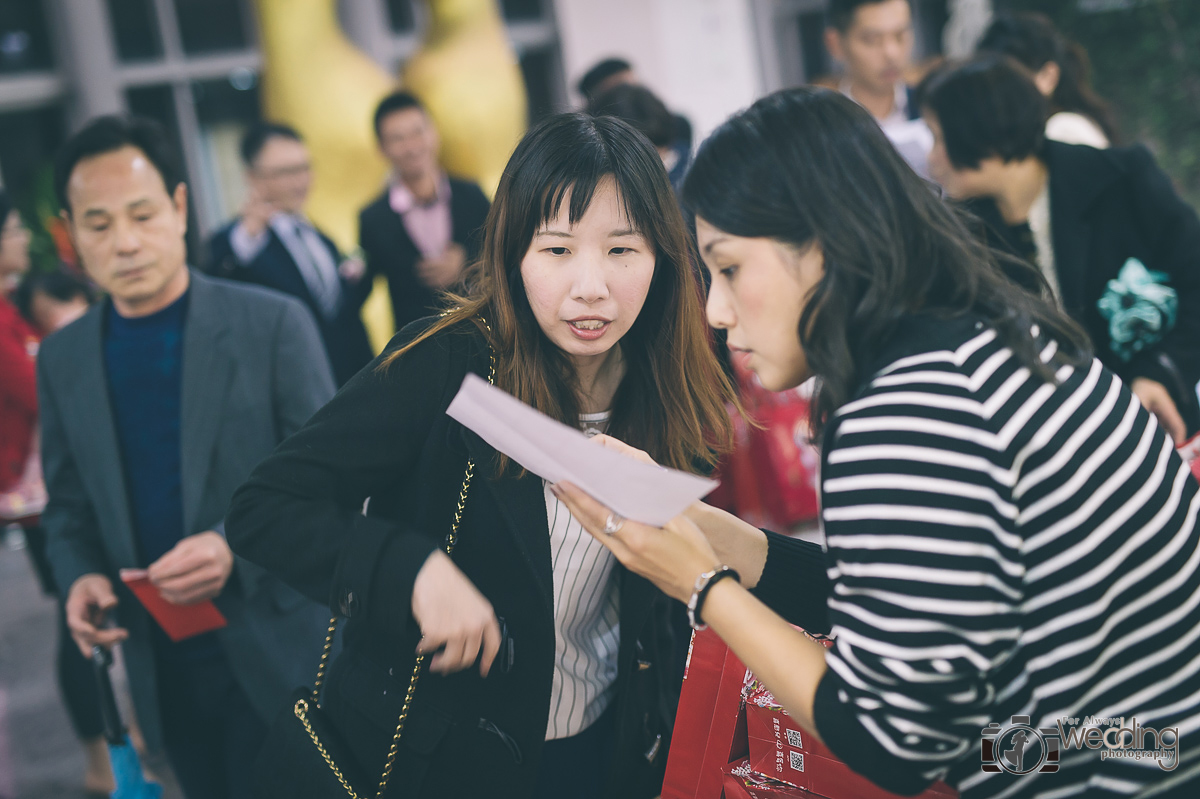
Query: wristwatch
{"points": [[700, 592]]}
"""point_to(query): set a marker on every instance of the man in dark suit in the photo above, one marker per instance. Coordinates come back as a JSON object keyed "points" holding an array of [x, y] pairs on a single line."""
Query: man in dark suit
{"points": [[425, 227], [155, 406], [1104, 228], [273, 244]]}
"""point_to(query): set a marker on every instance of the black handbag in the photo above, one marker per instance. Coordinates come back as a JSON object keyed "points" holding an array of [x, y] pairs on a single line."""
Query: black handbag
{"points": [[303, 755]]}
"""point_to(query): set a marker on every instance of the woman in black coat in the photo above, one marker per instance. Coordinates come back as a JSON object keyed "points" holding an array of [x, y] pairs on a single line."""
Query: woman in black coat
{"points": [[548, 674], [1118, 247]]}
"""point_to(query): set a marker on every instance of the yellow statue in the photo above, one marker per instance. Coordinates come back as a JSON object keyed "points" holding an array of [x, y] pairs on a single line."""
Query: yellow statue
{"points": [[319, 83], [467, 75], [315, 80]]}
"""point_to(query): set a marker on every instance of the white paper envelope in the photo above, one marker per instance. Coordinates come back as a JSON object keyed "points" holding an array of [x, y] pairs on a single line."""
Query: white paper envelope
{"points": [[553, 451]]}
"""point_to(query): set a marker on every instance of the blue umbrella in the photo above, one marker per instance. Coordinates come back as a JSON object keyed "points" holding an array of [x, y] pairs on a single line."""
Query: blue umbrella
{"points": [[126, 768]]}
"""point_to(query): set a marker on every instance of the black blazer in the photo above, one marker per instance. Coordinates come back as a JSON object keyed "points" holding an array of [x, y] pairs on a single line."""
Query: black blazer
{"points": [[344, 336], [1107, 206], [390, 251], [386, 436]]}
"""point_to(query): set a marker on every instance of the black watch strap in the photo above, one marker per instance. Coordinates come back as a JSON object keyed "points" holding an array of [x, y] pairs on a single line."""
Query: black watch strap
{"points": [[703, 585]]}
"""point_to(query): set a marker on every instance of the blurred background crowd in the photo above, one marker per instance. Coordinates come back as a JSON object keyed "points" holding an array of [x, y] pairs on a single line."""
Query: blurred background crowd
{"points": [[315, 134], [202, 68]]}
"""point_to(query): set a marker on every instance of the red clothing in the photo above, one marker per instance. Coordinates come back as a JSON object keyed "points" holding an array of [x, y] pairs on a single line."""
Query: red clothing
{"points": [[18, 393]]}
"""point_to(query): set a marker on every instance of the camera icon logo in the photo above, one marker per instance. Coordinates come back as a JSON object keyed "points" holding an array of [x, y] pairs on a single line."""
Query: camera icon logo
{"points": [[1019, 748]]}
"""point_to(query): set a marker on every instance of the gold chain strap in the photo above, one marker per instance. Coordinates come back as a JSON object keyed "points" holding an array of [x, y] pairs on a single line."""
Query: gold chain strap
{"points": [[324, 658], [301, 711], [301, 707]]}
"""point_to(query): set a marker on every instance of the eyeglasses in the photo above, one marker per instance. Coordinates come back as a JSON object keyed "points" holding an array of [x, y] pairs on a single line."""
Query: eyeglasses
{"points": [[284, 171]]}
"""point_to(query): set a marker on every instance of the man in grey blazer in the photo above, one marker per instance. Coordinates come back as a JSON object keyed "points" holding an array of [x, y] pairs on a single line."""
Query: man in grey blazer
{"points": [[155, 406]]}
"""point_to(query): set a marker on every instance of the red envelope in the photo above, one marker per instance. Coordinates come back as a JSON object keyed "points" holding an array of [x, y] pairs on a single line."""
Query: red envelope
{"points": [[178, 621]]}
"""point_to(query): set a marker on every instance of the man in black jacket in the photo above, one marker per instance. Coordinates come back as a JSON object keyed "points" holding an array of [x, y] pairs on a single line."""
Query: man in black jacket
{"points": [[273, 244], [1105, 228], [424, 228]]}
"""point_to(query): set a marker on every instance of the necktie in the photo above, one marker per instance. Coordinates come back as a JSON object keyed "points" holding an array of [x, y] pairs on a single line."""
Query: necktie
{"points": [[317, 267]]}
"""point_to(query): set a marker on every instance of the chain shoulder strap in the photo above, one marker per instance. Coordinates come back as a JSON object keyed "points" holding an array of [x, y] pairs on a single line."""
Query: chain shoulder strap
{"points": [[301, 707]]}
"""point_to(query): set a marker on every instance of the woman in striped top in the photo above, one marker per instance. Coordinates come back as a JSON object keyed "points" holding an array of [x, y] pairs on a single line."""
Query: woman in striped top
{"points": [[1008, 532]]}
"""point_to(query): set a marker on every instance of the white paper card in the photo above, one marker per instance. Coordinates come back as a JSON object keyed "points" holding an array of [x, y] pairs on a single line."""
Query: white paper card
{"points": [[553, 451]]}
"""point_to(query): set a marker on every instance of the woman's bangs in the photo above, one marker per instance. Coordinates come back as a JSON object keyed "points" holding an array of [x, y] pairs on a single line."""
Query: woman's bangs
{"points": [[637, 201], [574, 177], [581, 189]]}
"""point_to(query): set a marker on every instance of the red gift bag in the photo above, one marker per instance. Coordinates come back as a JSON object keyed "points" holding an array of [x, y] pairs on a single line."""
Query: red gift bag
{"points": [[771, 477], [705, 738], [734, 471], [785, 464], [781, 750], [732, 740], [742, 782], [1190, 452]]}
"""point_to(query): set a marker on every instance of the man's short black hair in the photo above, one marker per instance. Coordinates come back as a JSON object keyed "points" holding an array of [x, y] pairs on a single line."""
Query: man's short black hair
{"points": [[599, 73], [638, 106], [841, 12], [108, 134], [256, 138], [396, 101], [59, 284], [987, 106]]}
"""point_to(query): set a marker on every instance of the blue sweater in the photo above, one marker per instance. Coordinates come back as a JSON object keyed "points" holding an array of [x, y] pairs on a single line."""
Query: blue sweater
{"points": [[143, 357]]}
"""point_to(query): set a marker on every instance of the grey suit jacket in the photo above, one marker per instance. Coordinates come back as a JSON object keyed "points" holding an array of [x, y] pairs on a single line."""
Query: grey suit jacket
{"points": [[254, 370]]}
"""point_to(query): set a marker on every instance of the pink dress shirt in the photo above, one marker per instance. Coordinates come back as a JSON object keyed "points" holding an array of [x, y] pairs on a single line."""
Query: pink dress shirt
{"points": [[428, 225]]}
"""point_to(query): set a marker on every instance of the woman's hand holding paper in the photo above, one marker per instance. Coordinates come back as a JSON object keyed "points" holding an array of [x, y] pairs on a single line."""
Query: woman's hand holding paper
{"points": [[736, 543], [671, 557], [620, 446]]}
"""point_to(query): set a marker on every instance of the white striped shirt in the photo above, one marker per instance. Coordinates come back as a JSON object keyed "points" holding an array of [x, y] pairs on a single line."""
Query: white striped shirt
{"points": [[586, 618], [997, 547]]}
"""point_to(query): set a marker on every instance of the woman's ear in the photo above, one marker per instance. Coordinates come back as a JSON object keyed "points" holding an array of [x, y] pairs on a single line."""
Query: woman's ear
{"points": [[1046, 78]]}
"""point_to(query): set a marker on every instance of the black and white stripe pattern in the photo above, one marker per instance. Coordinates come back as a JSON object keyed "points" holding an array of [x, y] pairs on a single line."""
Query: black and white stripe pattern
{"points": [[586, 618], [1001, 546]]}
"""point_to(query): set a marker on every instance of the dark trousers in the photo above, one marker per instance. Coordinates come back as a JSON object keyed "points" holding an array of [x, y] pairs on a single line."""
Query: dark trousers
{"points": [[578, 766], [211, 733], [75, 678]]}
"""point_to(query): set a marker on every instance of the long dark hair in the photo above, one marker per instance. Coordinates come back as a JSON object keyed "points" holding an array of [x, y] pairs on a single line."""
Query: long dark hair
{"points": [[671, 402], [1032, 39], [809, 165]]}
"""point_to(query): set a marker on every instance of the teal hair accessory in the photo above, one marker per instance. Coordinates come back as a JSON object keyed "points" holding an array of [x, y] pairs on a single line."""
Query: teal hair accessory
{"points": [[1140, 309]]}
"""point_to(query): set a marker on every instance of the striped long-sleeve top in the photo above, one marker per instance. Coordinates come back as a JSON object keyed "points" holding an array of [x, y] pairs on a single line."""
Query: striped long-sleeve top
{"points": [[999, 546]]}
